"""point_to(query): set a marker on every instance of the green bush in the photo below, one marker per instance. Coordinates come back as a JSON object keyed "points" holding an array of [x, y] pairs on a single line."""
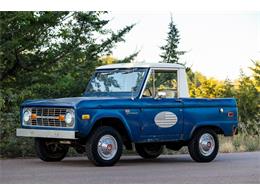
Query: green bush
{"points": [[248, 138], [47, 55], [252, 143]]}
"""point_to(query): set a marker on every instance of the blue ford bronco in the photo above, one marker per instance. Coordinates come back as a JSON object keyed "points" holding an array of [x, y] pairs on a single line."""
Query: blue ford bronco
{"points": [[143, 105]]}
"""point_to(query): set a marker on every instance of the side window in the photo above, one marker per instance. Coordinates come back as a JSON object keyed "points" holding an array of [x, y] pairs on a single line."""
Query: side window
{"points": [[162, 82]]}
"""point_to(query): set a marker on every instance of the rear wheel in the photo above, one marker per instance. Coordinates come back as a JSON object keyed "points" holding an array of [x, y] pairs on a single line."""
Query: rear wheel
{"points": [[149, 150], [104, 147], [204, 145], [50, 150]]}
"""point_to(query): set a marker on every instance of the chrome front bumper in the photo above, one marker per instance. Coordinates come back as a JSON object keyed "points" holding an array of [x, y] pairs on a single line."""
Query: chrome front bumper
{"points": [[45, 133]]}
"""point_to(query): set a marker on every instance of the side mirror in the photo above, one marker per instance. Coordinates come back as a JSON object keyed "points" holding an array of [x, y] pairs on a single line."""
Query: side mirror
{"points": [[161, 94]]}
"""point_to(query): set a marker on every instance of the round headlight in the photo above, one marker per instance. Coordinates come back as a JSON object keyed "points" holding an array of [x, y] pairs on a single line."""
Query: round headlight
{"points": [[26, 115], [69, 118]]}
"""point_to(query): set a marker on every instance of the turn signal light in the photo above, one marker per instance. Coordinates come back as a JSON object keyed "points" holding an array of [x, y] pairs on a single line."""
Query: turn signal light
{"points": [[33, 116], [85, 116], [61, 118]]}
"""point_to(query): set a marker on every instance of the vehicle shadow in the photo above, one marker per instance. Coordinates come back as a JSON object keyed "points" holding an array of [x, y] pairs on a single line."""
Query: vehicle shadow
{"points": [[171, 159], [124, 161]]}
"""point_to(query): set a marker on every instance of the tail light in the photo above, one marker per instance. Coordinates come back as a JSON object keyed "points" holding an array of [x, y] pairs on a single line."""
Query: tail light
{"points": [[230, 114]]}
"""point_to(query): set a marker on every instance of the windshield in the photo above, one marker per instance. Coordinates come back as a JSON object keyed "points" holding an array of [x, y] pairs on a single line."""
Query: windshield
{"points": [[116, 82]]}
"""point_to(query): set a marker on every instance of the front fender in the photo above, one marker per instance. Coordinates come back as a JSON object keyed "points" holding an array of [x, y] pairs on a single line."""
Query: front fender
{"points": [[98, 114]]}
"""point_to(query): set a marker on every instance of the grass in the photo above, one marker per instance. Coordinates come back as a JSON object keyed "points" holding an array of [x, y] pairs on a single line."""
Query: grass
{"points": [[239, 143], [247, 140]]}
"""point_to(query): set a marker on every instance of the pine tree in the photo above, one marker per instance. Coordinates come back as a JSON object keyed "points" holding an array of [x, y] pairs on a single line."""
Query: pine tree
{"points": [[170, 53], [247, 99], [256, 73], [228, 89]]}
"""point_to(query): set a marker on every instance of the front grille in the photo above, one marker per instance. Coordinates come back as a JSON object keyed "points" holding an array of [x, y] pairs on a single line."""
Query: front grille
{"points": [[48, 117]]}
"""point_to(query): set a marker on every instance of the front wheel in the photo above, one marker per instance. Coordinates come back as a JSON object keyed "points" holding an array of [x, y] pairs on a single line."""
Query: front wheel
{"points": [[104, 147], [204, 145], [50, 150], [149, 150]]}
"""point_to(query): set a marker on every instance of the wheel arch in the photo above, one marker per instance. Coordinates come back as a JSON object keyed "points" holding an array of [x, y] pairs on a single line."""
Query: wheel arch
{"points": [[216, 128], [118, 124]]}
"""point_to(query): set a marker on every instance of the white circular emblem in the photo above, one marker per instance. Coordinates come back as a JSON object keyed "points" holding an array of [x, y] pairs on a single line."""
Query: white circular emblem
{"points": [[165, 119]]}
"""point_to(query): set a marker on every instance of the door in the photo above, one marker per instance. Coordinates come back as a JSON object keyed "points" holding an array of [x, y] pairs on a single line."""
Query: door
{"points": [[161, 109]]}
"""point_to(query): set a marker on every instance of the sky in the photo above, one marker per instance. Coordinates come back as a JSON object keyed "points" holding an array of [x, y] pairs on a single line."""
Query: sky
{"points": [[217, 45]]}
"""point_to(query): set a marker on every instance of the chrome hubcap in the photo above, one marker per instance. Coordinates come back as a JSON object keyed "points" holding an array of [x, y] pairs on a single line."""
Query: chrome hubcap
{"points": [[107, 147], [206, 144]]}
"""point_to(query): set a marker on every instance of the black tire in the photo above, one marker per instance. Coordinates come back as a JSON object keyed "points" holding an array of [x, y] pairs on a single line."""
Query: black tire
{"points": [[200, 155], [92, 149], [149, 150], [50, 150]]}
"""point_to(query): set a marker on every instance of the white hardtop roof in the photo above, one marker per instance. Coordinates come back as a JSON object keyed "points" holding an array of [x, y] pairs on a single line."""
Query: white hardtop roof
{"points": [[141, 65]]}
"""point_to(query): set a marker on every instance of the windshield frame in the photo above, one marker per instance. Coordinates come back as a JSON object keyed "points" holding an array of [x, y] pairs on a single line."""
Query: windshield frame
{"points": [[117, 94]]}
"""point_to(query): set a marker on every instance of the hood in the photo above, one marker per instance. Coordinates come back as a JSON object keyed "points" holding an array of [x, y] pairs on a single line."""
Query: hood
{"points": [[61, 102]]}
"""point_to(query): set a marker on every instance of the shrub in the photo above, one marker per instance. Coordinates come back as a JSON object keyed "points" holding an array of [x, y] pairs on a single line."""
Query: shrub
{"points": [[227, 147], [252, 143]]}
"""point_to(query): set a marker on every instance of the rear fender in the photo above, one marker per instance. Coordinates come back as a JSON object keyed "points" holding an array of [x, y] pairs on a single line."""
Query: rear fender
{"points": [[216, 126]]}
